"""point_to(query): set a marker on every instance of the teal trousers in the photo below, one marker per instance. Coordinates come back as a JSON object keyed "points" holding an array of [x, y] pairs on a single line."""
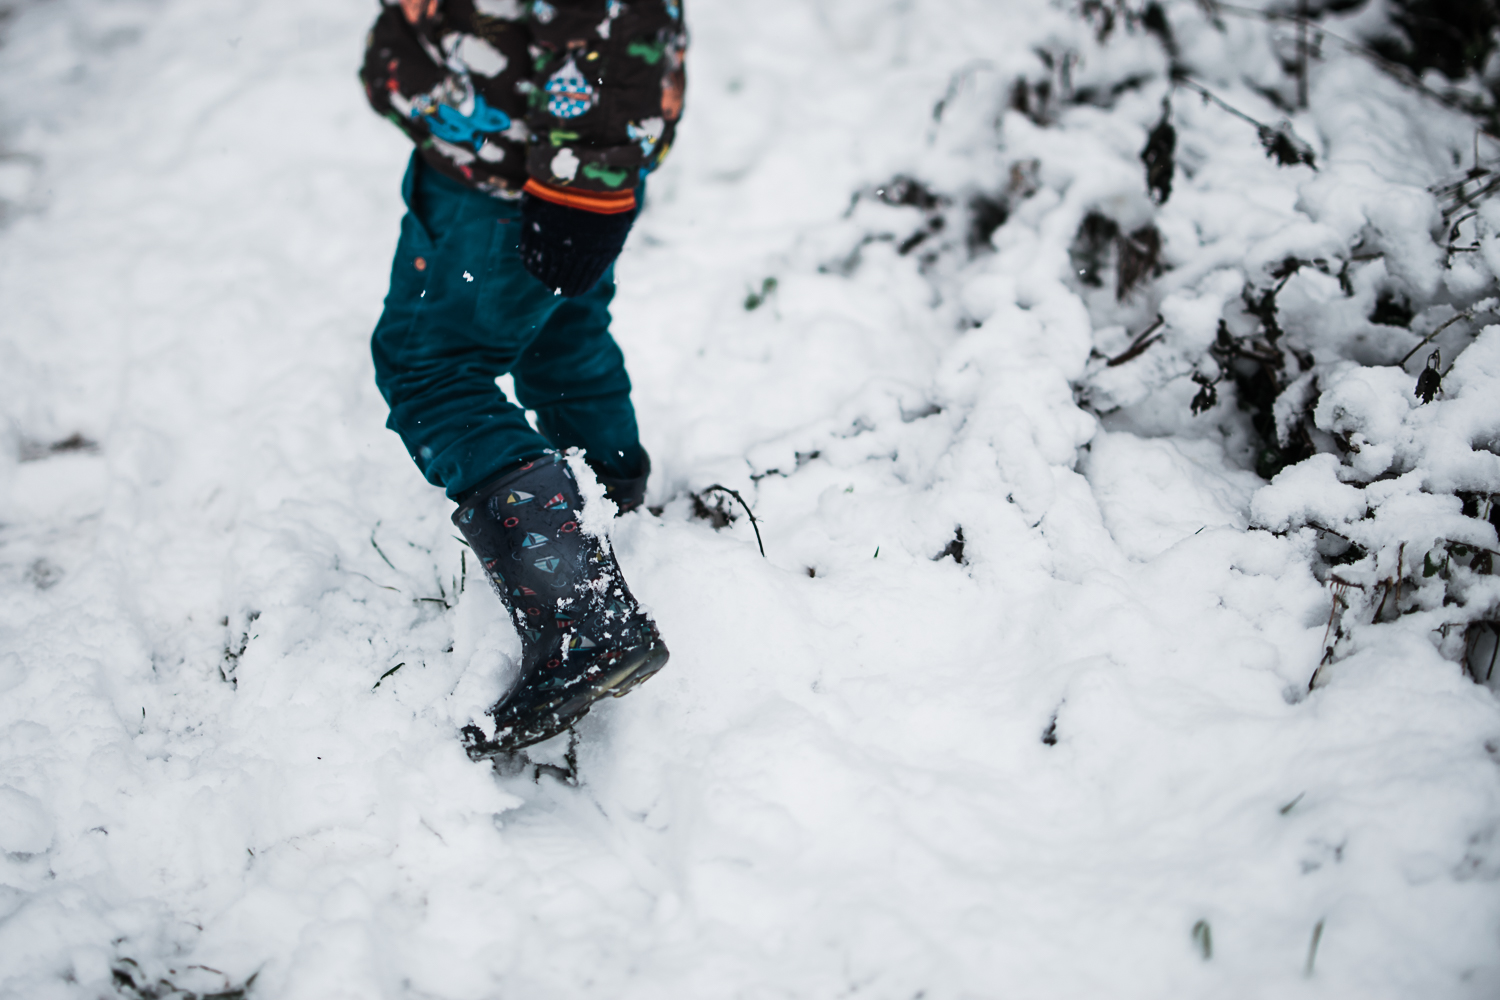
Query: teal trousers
{"points": [[461, 312]]}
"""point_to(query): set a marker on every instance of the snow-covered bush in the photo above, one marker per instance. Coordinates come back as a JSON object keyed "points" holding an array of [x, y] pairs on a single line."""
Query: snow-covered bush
{"points": [[1308, 284]]}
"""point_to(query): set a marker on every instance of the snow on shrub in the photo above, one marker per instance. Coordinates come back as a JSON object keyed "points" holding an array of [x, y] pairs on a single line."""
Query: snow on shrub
{"points": [[1286, 241]]}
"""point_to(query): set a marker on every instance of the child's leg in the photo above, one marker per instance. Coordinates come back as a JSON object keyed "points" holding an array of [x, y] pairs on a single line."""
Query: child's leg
{"points": [[573, 376], [460, 311]]}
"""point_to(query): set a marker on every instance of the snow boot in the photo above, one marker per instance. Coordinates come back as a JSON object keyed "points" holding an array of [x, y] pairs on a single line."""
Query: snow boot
{"points": [[583, 636]]}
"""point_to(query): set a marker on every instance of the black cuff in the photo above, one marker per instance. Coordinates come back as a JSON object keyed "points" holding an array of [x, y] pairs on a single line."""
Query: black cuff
{"points": [[569, 249], [627, 493]]}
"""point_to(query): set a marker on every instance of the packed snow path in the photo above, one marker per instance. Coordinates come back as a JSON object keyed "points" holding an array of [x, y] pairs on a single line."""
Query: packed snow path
{"points": [[1071, 759]]}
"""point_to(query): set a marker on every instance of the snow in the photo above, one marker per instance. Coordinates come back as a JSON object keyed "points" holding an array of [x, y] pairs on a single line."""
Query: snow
{"points": [[238, 637]]}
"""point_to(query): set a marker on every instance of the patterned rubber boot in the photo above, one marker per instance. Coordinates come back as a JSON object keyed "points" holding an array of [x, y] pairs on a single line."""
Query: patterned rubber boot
{"points": [[583, 636]]}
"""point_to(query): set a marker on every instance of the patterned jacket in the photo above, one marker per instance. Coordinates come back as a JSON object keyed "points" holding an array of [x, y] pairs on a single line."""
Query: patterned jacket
{"points": [[573, 101]]}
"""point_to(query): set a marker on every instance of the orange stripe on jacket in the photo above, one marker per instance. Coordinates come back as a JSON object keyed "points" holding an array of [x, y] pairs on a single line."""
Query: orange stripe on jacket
{"points": [[598, 202]]}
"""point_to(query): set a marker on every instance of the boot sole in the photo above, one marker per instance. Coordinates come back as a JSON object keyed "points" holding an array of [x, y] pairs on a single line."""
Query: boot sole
{"points": [[616, 684], [622, 678]]}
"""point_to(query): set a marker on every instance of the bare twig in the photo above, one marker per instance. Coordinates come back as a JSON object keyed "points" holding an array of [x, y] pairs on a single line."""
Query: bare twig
{"points": [[1139, 344], [1339, 586], [1456, 187], [1209, 95], [1483, 306], [1280, 140], [1489, 187], [1453, 230], [753, 523]]}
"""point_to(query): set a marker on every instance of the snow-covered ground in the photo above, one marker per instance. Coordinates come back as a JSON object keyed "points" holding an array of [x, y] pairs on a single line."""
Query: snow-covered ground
{"points": [[1075, 757]]}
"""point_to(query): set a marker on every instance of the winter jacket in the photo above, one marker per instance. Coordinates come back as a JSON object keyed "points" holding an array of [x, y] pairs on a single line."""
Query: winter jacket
{"points": [[573, 101]]}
